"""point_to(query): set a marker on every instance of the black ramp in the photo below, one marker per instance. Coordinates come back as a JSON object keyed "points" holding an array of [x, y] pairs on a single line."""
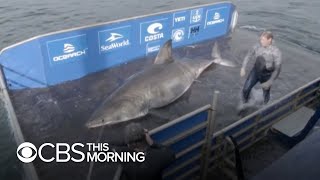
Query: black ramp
{"points": [[301, 162]]}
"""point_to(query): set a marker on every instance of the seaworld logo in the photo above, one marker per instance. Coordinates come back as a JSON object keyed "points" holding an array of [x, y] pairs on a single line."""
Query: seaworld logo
{"points": [[114, 45], [113, 39], [114, 36]]}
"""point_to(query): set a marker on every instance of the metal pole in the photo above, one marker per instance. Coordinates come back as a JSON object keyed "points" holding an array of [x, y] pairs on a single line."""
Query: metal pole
{"points": [[29, 169], [207, 146], [117, 175]]}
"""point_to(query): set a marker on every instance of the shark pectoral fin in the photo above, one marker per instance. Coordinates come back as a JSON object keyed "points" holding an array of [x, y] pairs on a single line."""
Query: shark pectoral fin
{"points": [[160, 114], [225, 62], [164, 55]]}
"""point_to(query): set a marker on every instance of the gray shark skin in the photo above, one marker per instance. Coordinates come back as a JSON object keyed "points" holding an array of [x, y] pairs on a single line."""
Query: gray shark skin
{"points": [[156, 86]]}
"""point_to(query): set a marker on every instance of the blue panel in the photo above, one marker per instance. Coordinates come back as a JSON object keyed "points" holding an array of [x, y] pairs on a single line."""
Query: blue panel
{"points": [[243, 125], [310, 88], [69, 55], [180, 127], [244, 135], [184, 170], [23, 66], [275, 116], [189, 141], [186, 157], [258, 135], [213, 142], [310, 96], [243, 144], [278, 105]]}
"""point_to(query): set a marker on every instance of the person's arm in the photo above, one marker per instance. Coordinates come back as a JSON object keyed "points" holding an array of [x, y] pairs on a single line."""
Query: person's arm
{"points": [[247, 58]]}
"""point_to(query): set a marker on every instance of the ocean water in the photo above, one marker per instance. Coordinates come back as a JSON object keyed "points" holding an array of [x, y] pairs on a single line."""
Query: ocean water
{"points": [[295, 22]]}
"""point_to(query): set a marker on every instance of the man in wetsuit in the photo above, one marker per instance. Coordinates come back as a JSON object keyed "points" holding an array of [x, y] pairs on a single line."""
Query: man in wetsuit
{"points": [[266, 68], [157, 157]]}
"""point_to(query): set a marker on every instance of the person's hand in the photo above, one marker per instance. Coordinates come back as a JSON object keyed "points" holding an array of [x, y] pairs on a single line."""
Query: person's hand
{"points": [[266, 85], [242, 72], [148, 138]]}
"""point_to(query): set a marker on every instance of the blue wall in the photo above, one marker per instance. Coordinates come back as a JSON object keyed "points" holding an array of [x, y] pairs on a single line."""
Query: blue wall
{"points": [[59, 57]]}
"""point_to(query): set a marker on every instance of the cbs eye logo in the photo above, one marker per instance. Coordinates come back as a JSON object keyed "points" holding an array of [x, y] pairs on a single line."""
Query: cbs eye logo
{"points": [[25, 151]]}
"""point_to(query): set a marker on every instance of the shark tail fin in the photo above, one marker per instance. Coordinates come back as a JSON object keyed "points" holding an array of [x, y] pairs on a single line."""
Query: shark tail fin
{"points": [[215, 54]]}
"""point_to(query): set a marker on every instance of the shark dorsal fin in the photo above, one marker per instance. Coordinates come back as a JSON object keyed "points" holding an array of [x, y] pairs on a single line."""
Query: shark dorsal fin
{"points": [[164, 55]]}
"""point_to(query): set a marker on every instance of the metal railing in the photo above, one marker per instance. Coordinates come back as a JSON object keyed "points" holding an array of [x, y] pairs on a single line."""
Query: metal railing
{"points": [[29, 169], [204, 125], [246, 132]]}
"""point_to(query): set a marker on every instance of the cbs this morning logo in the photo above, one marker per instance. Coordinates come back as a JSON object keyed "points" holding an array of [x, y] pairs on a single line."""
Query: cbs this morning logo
{"points": [[89, 152], [25, 151]]}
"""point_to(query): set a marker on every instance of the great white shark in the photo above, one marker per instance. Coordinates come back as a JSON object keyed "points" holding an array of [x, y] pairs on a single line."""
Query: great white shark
{"points": [[158, 85]]}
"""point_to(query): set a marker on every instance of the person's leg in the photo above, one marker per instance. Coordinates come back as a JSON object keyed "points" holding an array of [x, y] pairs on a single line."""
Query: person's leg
{"points": [[248, 85], [263, 76], [266, 95]]}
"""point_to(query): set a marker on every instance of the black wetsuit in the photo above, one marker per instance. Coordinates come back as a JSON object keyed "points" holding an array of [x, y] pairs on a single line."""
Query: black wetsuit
{"points": [[266, 68], [259, 73]]}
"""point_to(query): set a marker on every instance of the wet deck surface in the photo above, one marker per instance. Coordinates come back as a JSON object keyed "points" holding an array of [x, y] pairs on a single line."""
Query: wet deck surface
{"points": [[58, 113]]}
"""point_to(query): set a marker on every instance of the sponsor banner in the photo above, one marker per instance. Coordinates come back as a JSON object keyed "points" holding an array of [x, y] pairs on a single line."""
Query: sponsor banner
{"points": [[85, 50], [114, 39], [196, 15], [180, 18], [68, 49], [178, 35], [153, 47], [194, 31], [154, 30], [216, 17]]}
